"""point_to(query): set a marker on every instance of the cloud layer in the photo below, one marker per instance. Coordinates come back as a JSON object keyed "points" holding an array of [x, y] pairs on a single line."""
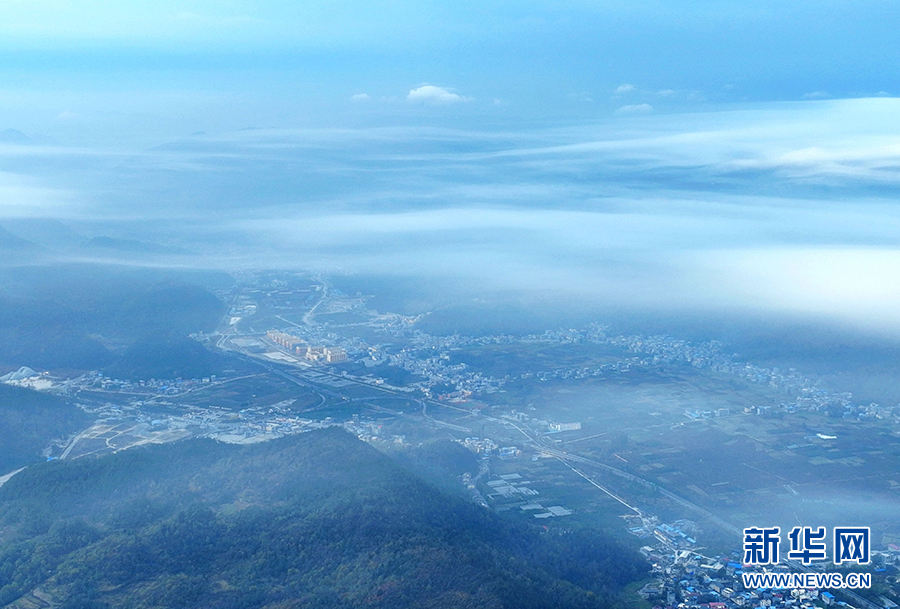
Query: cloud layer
{"points": [[787, 208], [435, 95]]}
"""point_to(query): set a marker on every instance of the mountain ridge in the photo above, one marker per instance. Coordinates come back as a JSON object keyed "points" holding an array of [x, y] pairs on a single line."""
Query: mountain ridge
{"points": [[315, 520]]}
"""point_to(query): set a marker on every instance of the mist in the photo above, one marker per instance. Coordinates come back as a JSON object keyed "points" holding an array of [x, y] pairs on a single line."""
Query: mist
{"points": [[781, 209]]}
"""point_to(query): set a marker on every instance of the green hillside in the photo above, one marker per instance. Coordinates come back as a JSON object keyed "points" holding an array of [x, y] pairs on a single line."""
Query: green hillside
{"points": [[166, 357], [67, 316], [29, 421], [315, 520]]}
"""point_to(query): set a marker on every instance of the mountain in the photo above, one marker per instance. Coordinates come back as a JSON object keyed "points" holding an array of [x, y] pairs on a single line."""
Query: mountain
{"points": [[315, 520], [173, 308], [46, 232], [22, 373], [166, 357], [10, 242], [46, 334], [62, 316], [30, 421], [14, 136]]}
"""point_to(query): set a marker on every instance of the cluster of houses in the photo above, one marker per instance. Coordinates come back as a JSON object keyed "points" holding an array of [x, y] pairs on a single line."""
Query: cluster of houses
{"points": [[688, 580], [313, 353]]}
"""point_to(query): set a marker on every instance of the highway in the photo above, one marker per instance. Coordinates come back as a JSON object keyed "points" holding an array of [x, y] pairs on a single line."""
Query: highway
{"points": [[722, 524], [308, 318], [567, 456]]}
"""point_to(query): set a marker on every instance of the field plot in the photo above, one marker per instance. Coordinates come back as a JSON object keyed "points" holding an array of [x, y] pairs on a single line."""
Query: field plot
{"points": [[344, 318], [111, 437], [535, 357], [548, 490], [764, 469], [699, 435], [340, 388], [336, 305], [392, 375], [253, 391]]}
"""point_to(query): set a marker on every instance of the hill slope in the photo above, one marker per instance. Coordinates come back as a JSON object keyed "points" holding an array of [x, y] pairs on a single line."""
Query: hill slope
{"points": [[166, 357], [62, 316], [29, 421], [316, 520]]}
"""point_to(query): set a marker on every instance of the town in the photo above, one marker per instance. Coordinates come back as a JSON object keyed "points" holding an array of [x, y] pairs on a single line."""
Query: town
{"points": [[305, 355]]}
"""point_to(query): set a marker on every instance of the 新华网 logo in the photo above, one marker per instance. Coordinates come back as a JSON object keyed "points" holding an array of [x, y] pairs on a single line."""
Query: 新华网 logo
{"points": [[849, 545]]}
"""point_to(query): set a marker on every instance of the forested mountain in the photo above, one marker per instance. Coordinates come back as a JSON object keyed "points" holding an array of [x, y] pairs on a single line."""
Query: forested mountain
{"points": [[66, 316], [30, 421], [166, 357], [315, 520]]}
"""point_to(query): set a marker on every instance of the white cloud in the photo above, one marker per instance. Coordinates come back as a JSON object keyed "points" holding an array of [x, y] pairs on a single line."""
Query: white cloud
{"points": [[856, 285], [523, 227], [23, 197], [666, 93], [635, 109], [817, 95], [66, 114], [435, 95], [624, 89], [360, 97], [843, 142]]}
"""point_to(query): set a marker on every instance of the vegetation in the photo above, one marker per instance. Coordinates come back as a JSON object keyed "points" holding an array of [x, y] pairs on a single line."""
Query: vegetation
{"points": [[316, 520], [440, 462], [29, 421], [67, 316], [166, 358]]}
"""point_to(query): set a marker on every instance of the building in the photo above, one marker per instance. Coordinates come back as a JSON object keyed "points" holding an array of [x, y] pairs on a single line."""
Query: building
{"points": [[565, 426], [335, 355], [285, 340], [315, 353]]}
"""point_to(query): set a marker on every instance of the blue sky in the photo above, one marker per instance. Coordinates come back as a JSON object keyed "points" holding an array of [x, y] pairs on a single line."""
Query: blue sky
{"points": [[278, 63]]}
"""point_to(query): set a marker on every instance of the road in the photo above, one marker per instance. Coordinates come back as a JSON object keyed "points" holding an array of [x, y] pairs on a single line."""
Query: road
{"points": [[74, 442], [602, 488], [5, 478], [568, 456], [564, 456], [308, 318], [722, 524], [444, 424]]}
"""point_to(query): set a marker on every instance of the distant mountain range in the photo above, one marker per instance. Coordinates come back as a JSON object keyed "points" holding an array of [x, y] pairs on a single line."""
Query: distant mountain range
{"points": [[12, 243], [14, 136], [33, 236]]}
